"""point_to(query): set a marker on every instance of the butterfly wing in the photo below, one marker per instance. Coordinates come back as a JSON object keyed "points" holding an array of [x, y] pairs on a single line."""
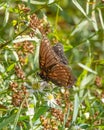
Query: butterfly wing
{"points": [[62, 75], [52, 67], [47, 57], [58, 49]]}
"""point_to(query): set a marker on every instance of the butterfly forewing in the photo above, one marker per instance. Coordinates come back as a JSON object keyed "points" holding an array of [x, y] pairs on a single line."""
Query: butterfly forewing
{"points": [[53, 66], [47, 56]]}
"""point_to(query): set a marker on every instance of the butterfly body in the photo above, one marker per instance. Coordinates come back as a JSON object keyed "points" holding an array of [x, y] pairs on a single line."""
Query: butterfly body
{"points": [[53, 67]]}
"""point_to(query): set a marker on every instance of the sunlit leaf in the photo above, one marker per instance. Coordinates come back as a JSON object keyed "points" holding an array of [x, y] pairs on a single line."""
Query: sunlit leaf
{"points": [[11, 67], [87, 68], [6, 16], [76, 107], [35, 2]]}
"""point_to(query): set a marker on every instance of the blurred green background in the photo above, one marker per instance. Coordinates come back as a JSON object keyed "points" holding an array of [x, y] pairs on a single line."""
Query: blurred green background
{"points": [[79, 26]]}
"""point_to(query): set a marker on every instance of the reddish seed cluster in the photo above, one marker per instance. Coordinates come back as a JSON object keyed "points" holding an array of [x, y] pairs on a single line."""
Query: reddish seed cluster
{"points": [[68, 103], [48, 124], [98, 81], [56, 119], [98, 95], [19, 93], [94, 118], [28, 47], [46, 29], [39, 24], [22, 58], [23, 8], [68, 122], [19, 72], [102, 94], [23, 50], [65, 99], [58, 114], [13, 86], [31, 34], [35, 22]]}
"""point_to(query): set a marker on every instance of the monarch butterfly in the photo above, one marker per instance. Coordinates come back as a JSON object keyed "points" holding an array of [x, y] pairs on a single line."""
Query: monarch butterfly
{"points": [[53, 66]]}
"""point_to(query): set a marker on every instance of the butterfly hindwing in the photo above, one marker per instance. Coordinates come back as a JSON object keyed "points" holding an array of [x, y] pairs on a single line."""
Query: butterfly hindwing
{"points": [[61, 75]]}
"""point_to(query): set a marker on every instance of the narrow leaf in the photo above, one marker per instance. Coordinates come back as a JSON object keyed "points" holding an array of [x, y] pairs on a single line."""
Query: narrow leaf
{"points": [[76, 107], [11, 67]]}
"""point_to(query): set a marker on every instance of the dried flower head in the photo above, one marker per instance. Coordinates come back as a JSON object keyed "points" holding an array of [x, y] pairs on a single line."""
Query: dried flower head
{"points": [[13, 86], [19, 72], [23, 50], [23, 8], [39, 24], [19, 95], [98, 81]]}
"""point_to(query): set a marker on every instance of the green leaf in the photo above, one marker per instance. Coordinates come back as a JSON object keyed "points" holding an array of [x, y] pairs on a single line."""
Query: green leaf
{"points": [[11, 67], [2, 69], [5, 121], [35, 2], [81, 9], [76, 107], [84, 126], [87, 68], [39, 112], [51, 1], [6, 18], [36, 61]]}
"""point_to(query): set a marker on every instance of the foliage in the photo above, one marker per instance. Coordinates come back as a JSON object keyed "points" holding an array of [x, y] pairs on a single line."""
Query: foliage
{"points": [[26, 101]]}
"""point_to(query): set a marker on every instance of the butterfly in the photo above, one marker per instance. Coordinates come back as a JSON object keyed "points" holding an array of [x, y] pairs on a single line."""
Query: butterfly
{"points": [[53, 64]]}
